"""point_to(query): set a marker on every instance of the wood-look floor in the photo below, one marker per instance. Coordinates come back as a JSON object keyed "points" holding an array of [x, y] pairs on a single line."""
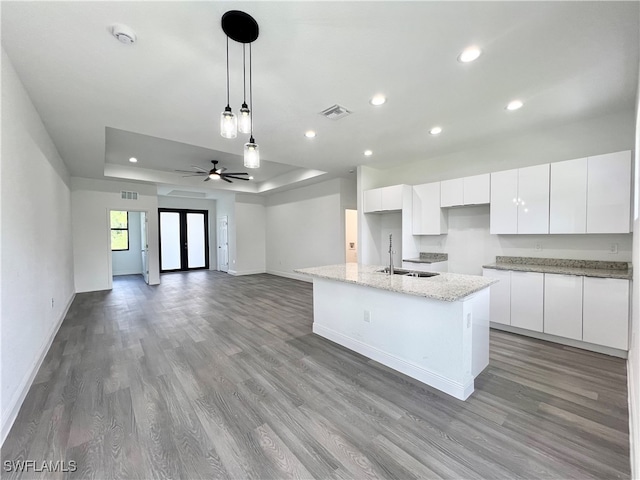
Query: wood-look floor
{"points": [[212, 376]]}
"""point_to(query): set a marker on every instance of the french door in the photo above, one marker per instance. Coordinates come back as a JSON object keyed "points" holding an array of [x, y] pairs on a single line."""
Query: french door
{"points": [[184, 239]]}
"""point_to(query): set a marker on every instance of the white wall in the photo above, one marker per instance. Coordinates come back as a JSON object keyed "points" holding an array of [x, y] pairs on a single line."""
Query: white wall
{"points": [[91, 201], [250, 231], [197, 204], [129, 262], [468, 241], [36, 275], [633, 363], [306, 226]]}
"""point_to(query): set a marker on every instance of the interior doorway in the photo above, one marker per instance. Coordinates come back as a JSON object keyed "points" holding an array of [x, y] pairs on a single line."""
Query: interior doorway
{"points": [[223, 244], [184, 239], [351, 235], [129, 244]]}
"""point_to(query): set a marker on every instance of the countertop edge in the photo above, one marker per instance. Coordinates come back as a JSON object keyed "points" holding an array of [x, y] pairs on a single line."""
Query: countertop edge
{"points": [[577, 272]]}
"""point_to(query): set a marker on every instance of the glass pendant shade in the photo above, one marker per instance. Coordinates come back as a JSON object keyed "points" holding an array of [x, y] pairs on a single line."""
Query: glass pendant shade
{"points": [[251, 154], [228, 124], [244, 119]]}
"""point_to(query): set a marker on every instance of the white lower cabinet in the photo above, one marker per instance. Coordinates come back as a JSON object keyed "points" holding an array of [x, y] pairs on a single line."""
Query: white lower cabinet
{"points": [[500, 296], [563, 305], [527, 300], [605, 313]]}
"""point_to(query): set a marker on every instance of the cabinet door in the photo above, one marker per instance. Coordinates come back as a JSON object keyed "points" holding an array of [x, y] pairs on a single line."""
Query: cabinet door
{"points": [[451, 192], [503, 214], [392, 197], [500, 296], [609, 193], [428, 217], [533, 199], [477, 189], [568, 197], [527, 299], [563, 305], [372, 200], [605, 317]]}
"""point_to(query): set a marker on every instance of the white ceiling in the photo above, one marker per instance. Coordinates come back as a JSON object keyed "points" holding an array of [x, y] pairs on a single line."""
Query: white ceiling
{"points": [[162, 97]]}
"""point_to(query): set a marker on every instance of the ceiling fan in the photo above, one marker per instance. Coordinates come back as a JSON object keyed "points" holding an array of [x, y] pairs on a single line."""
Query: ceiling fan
{"points": [[215, 173]]}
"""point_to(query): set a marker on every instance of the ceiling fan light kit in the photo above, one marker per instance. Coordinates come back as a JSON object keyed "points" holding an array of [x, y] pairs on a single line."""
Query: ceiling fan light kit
{"points": [[242, 28]]}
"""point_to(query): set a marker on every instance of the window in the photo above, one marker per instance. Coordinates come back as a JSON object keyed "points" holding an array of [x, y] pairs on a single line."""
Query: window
{"points": [[119, 230]]}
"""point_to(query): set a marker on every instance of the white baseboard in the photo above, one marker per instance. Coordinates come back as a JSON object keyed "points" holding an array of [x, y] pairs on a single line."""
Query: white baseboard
{"points": [[237, 273], [614, 352], [428, 377], [23, 388], [293, 275]]}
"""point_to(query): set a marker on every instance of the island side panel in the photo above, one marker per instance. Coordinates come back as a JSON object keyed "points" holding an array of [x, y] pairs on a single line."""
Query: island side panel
{"points": [[476, 311], [423, 338]]}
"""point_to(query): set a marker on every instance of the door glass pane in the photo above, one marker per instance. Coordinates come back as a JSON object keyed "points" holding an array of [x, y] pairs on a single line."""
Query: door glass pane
{"points": [[170, 240], [195, 240]]}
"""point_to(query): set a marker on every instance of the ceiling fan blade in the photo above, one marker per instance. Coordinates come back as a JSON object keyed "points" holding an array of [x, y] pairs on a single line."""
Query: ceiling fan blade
{"points": [[206, 179], [199, 168], [221, 169], [226, 179], [236, 178], [194, 175], [189, 171], [236, 173]]}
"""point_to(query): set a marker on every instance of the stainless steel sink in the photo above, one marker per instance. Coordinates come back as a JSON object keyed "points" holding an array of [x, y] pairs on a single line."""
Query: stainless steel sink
{"points": [[409, 273]]}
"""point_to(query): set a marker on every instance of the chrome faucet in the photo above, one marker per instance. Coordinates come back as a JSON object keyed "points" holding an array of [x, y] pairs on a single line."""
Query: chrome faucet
{"points": [[391, 252]]}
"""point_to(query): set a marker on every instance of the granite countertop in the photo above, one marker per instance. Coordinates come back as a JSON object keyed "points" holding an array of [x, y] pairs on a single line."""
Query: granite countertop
{"points": [[448, 287], [427, 257], [587, 268]]}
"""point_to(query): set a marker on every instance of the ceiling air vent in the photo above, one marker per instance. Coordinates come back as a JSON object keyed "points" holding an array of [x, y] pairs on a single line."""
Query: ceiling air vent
{"points": [[129, 195], [335, 112]]}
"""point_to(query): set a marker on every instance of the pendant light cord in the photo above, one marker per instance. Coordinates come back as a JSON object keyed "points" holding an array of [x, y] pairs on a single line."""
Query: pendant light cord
{"points": [[251, 91], [244, 75], [227, 71]]}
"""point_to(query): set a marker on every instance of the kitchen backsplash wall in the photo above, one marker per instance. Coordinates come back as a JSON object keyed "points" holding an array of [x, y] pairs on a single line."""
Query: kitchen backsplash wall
{"points": [[470, 245]]}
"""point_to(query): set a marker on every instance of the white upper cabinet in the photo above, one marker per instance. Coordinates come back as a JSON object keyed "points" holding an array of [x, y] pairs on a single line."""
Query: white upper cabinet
{"points": [[503, 215], [477, 189], [520, 201], [568, 197], [383, 199], [465, 191], [609, 193], [533, 199], [452, 192], [428, 217]]}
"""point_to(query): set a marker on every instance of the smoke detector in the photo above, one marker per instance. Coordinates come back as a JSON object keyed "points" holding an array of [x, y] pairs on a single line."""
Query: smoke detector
{"points": [[124, 34]]}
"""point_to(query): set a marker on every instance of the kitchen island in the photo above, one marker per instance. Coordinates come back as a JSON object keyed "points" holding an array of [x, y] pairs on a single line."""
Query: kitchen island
{"points": [[433, 329]]}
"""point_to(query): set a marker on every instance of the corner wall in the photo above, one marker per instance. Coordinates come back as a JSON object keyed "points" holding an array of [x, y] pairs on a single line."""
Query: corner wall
{"points": [[306, 227], [36, 274], [91, 201]]}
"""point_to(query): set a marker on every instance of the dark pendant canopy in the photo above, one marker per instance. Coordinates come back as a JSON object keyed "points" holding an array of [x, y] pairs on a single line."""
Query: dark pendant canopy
{"points": [[240, 26]]}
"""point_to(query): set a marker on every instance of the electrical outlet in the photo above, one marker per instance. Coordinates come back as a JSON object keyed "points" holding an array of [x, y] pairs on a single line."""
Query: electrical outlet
{"points": [[51, 302], [538, 247], [613, 248], [468, 320], [367, 316]]}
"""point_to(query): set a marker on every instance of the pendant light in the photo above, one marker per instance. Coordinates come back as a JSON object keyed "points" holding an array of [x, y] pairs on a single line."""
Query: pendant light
{"points": [[228, 121], [242, 28], [244, 118], [251, 149]]}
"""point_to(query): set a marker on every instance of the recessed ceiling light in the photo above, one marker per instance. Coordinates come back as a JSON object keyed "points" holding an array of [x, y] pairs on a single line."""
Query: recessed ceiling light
{"points": [[368, 153], [133, 160], [514, 105], [378, 99], [309, 134], [435, 130], [469, 54]]}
